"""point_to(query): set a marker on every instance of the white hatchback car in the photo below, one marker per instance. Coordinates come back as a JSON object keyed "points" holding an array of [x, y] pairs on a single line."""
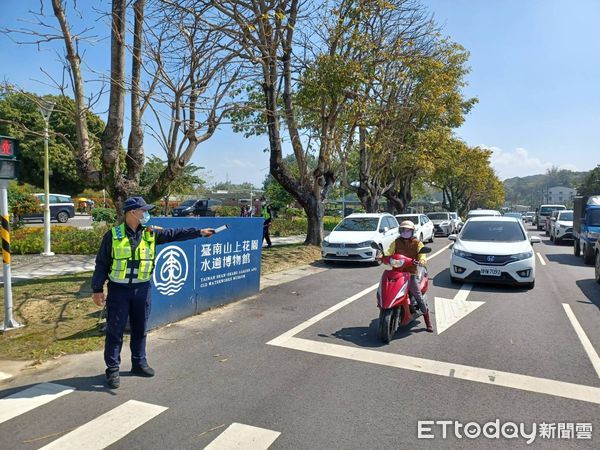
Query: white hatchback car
{"points": [[493, 249], [351, 239], [424, 228]]}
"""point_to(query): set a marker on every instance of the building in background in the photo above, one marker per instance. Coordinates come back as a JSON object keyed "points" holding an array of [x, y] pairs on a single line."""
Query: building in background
{"points": [[560, 195]]}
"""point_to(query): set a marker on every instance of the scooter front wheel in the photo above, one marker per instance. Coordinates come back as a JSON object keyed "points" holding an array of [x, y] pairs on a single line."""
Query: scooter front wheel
{"points": [[388, 320]]}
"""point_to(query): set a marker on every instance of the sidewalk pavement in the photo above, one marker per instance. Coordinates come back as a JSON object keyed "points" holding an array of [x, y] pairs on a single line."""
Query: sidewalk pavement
{"points": [[26, 267]]}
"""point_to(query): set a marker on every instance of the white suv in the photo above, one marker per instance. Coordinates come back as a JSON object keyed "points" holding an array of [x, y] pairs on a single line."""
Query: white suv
{"points": [[351, 239]]}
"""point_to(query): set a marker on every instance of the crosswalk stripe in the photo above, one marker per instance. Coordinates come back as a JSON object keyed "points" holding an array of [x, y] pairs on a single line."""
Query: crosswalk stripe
{"points": [[109, 427], [30, 398], [243, 437]]}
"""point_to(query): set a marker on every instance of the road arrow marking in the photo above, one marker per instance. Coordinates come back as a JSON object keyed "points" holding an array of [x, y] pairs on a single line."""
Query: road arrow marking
{"points": [[449, 311]]}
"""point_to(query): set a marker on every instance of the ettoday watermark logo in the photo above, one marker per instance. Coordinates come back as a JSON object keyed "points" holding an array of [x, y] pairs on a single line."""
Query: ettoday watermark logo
{"points": [[434, 429]]}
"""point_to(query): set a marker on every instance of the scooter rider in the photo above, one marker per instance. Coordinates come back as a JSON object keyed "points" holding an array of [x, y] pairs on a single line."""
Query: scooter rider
{"points": [[408, 245]]}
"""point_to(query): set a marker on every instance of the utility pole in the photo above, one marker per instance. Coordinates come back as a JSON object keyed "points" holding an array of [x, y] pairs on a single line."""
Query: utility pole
{"points": [[45, 108]]}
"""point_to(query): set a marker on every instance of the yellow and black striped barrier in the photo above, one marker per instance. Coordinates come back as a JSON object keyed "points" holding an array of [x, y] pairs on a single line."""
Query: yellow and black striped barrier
{"points": [[5, 233]]}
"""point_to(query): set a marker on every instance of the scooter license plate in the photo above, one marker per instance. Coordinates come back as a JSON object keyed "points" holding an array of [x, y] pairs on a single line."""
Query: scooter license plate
{"points": [[341, 252], [490, 271]]}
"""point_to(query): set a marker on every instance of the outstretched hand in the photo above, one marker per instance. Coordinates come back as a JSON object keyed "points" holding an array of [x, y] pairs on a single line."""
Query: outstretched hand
{"points": [[207, 232]]}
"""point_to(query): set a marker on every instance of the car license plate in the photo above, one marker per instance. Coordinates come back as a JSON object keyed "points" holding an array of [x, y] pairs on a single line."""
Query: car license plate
{"points": [[341, 252], [490, 271]]}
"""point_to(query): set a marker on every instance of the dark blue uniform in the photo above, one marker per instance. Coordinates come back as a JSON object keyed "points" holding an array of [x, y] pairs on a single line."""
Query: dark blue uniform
{"points": [[129, 300]]}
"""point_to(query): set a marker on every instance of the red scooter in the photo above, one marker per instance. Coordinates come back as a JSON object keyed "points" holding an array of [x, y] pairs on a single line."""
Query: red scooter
{"points": [[396, 306]]}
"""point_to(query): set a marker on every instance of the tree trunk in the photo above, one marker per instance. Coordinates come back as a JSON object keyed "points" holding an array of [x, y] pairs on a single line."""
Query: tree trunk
{"points": [[113, 133], [314, 232]]}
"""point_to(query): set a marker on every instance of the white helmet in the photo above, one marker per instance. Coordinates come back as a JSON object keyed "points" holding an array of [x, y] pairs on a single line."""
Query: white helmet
{"points": [[407, 224]]}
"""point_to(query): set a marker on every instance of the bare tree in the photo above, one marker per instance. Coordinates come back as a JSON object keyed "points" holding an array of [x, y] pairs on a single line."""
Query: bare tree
{"points": [[190, 83]]}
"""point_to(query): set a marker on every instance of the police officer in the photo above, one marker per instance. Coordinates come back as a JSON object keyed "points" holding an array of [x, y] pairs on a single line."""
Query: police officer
{"points": [[267, 213], [126, 259]]}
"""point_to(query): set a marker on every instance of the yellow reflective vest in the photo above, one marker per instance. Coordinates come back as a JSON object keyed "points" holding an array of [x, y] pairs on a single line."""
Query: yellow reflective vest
{"points": [[128, 265]]}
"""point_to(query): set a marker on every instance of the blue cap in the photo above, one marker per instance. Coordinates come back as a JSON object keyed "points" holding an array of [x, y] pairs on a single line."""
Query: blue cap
{"points": [[136, 203]]}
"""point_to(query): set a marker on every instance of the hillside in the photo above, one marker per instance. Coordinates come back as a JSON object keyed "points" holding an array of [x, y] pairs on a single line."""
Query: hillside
{"points": [[528, 190]]}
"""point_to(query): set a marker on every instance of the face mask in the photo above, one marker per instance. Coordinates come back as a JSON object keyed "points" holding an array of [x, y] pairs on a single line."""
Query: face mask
{"points": [[145, 218], [407, 234]]}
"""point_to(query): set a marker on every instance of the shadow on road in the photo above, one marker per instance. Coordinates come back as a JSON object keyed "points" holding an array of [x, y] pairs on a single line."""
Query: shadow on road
{"points": [[442, 279], [591, 290], [367, 336], [86, 384], [569, 260]]}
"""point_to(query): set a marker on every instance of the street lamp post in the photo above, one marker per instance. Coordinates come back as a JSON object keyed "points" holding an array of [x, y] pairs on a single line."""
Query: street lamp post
{"points": [[45, 108]]}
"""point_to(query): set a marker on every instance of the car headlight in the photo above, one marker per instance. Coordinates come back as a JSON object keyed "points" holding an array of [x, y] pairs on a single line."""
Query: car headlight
{"points": [[325, 241], [444, 224], [461, 253], [593, 235], [524, 255], [364, 244]]}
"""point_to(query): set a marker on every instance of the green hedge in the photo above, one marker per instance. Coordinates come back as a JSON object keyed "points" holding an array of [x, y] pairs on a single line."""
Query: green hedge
{"points": [[64, 240], [297, 225]]}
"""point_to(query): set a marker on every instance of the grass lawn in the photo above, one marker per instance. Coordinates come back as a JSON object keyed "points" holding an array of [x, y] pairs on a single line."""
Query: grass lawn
{"points": [[61, 318]]}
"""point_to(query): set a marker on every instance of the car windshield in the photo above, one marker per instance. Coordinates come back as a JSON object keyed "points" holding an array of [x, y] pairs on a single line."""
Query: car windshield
{"points": [[594, 218], [493, 231], [438, 216], [188, 203], [568, 216], [547, 210], [358, 224], [413, 219]]}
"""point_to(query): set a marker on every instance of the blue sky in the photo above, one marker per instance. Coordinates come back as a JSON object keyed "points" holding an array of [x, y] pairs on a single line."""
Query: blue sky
{"points": [[535, 67]]}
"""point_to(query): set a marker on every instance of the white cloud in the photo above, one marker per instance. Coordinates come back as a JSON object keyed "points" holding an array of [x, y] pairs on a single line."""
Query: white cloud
{"points": [[519, 163]]}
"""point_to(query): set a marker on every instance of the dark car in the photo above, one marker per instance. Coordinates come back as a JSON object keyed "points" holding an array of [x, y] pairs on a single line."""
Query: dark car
{"points": [[62, 208], [185, 209], [195, 207], [206, 208]]}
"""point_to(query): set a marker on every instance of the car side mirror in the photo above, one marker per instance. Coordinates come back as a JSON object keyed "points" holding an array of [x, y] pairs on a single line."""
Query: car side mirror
{"points": [[384, 229], [535, 239], [452, 237]]}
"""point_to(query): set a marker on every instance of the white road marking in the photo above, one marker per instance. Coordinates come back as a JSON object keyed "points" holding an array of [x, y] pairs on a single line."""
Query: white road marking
{"points": [[563, 389], [109, 427], [449, 311], [528, 383], [587, 345], [440, 251], [541, 258], [239, 437], [30, 398], [329, 311]]}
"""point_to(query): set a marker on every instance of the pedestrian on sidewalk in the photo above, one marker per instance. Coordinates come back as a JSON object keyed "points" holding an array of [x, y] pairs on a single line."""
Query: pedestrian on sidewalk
{"points": [[267, 213], [126, 260]]}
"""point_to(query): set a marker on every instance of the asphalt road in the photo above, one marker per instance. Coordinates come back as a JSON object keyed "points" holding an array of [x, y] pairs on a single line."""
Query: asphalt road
{"points": [[79, 221], [310, 372]]}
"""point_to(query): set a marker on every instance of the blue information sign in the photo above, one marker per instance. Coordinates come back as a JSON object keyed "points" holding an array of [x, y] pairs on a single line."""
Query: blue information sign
{"points": [[192, 276]]}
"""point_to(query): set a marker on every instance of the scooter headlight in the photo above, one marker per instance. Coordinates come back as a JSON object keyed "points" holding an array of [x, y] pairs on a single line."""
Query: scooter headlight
{"points": [[397, 263]]}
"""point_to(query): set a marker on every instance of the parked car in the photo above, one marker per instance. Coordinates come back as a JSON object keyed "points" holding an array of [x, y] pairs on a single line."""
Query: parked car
{"points": [[196, 207], [493, 249], [424, 228], [351, 239], [483, 213], [62, 208], [207, 208], [445, 223], [543, 212], [561, 225]]}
